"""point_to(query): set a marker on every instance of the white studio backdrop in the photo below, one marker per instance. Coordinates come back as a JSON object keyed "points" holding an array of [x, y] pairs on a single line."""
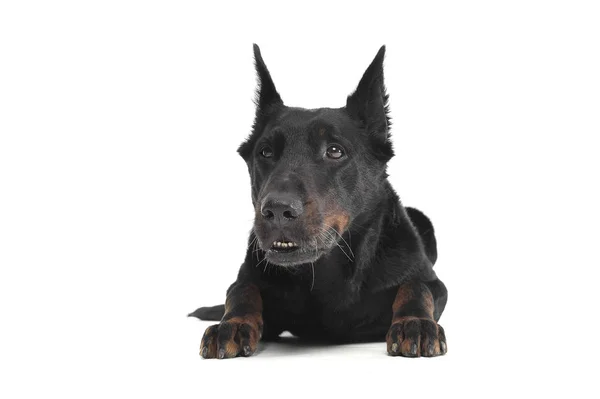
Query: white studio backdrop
{"points": [[124, 206]]}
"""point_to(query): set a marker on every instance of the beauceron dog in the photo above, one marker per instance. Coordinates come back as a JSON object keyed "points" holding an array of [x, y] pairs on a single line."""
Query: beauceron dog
{"points": [[333, 255]]}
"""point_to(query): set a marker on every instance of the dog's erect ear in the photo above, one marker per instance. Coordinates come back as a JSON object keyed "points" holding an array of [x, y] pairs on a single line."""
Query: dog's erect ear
{"points": [[266, 94], [267, 102], [369, 103]]}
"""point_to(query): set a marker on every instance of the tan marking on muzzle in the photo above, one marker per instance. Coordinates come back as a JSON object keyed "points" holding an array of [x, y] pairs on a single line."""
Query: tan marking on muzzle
{"points": [[338, 221]]}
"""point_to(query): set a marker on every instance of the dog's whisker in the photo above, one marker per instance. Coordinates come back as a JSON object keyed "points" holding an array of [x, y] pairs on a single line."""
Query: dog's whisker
{"points": [[312, 265], [264, 259], [350, 238], [336, 232], [332, 237], [334, 240], [257, 249], [252, 242], [329, 236], [350, 250], [341, 249]]}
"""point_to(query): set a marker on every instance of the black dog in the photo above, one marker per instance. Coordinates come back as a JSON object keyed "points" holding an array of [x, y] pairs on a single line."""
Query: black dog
{"points": [[333, 254]]}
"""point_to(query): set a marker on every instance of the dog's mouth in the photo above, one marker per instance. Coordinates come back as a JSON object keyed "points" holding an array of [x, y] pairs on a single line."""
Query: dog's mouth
{"points": [[285, 252], [284, 246]]}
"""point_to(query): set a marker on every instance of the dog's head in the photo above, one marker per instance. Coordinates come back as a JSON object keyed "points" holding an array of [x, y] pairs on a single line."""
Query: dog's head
{"points": [[315, 171]]}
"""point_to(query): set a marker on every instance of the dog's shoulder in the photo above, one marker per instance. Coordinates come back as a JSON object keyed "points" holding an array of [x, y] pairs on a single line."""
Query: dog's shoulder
{"points": [[406, 248]]}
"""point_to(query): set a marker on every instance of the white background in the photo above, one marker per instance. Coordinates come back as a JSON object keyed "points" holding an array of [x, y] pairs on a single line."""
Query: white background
{"points": [[124, 206]]}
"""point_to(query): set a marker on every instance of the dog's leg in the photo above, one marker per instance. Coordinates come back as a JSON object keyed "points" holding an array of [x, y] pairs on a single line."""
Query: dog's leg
{"points": [[414, 331], [240, 329]]}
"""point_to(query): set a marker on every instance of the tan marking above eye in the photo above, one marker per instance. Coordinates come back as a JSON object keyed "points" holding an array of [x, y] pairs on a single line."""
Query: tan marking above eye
{"points": [[322, 131]]}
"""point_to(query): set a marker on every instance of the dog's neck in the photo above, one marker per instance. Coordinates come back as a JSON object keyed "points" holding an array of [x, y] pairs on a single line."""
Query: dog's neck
{"points": [[366, 230]]}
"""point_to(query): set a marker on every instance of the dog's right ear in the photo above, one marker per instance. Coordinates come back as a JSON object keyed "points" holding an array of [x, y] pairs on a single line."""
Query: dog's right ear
{"points": [[267, 101], [266, 94]]}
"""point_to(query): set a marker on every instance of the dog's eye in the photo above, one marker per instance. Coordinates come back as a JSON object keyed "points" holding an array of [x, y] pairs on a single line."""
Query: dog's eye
{"points": [[266, 152], [334, 151]]}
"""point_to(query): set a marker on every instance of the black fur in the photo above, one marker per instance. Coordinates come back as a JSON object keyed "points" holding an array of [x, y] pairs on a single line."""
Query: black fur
{"points": [[214, 313], [355, 243]]}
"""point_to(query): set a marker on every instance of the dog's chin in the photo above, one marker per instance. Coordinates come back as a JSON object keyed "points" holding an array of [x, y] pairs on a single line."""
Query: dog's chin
{"points": [[297, 257]]}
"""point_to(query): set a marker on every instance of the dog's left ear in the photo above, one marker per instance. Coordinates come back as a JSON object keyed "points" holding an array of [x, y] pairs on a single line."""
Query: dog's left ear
{"points": [[267, 100], [369, 103]]}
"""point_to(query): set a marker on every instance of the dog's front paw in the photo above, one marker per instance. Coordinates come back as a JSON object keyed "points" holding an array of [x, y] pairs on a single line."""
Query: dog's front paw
{"points": [[231, 338], [414, 337]]}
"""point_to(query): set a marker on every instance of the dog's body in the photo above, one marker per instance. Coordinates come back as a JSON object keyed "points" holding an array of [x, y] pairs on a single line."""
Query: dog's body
{"points": [[333, 254]]}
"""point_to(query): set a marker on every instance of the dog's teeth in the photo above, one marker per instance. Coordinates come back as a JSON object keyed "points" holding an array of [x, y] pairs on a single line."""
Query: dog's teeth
{"points": [[287, 244]]}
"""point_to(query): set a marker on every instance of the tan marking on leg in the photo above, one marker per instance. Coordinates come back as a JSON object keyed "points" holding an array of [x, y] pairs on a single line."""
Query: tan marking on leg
{"points": [[254, 320], [406, 294], [428, 303]]}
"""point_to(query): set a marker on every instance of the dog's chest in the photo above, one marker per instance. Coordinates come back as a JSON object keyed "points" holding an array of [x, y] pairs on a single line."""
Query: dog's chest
{"points": [[336, 310]]}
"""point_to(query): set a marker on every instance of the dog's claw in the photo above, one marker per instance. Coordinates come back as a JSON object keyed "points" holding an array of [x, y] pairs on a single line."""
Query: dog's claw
{"points": [[413, 349], [426, 343], [430, 350], [247, 350], [221, 353]]}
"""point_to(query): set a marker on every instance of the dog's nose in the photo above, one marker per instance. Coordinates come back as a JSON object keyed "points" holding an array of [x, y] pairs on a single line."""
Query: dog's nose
{"points": [[281, 208]]}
